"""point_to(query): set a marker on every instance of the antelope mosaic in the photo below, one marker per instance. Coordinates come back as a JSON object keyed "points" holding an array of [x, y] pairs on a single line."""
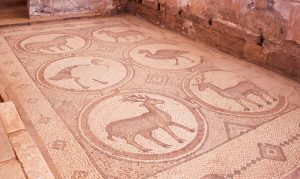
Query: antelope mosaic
{"points": [[238, 93], [144, 124]]}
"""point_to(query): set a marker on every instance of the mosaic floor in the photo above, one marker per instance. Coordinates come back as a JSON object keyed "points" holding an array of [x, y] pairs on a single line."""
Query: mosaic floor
{"points": [[121, 98]]}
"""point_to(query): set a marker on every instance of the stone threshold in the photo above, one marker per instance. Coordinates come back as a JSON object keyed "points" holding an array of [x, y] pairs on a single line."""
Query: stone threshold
{"points": [[25, 159]]}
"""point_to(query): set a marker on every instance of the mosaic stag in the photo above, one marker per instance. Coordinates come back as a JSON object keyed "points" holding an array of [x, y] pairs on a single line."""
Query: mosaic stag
{"points": [[144, 124], [66, 73], [166, 54], [60, 43], [237, 93], [125, 35]]}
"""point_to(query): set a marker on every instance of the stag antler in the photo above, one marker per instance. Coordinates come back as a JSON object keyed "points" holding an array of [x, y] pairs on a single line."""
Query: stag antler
{"points": [[134, 98], [202, 79], [199, 80]]}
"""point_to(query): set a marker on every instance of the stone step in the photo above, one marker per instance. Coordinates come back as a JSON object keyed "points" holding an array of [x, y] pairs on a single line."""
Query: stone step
{"points": [[11, 169], [16, 141], [6, 150]]}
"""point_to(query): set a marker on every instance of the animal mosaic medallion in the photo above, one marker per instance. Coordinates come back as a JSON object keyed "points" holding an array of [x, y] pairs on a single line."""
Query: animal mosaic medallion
{"points": [[149, 127], [84, 73], [230, 93], [119, 35], [164, 56], [51, 43]]}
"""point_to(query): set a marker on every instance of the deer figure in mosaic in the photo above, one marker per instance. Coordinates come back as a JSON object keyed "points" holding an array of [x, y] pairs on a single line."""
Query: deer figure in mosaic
{"points": [[144, 124], [238, 93], [60, 43], [125, 34]]}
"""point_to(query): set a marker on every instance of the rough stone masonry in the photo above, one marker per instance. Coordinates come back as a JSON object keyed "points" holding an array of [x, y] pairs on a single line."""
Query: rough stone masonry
{"points": [[61, 7], [264, 32]]}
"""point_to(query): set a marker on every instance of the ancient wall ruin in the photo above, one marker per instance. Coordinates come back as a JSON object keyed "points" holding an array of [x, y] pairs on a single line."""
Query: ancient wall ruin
{"points": [[265, 32], [62, 7]]}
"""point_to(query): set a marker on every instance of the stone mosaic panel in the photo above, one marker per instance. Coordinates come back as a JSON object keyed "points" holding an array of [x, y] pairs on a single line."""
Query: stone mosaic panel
{"points": [[121, 98]]}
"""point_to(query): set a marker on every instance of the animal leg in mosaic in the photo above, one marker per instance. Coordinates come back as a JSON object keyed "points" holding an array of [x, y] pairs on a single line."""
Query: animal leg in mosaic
{"points": [[145, 123], [166, 54], [239, 92]]}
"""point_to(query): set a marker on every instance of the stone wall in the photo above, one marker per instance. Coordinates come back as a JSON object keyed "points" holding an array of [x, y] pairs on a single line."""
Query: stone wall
{"points": [[265, 32], [62, 7]]}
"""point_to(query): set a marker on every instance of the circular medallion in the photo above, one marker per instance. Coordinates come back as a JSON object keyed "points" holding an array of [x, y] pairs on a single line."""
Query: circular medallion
{"points": [[142, 126], [119, 35], [84, 73], [164, 56], [229, 93], [55, 43]]}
